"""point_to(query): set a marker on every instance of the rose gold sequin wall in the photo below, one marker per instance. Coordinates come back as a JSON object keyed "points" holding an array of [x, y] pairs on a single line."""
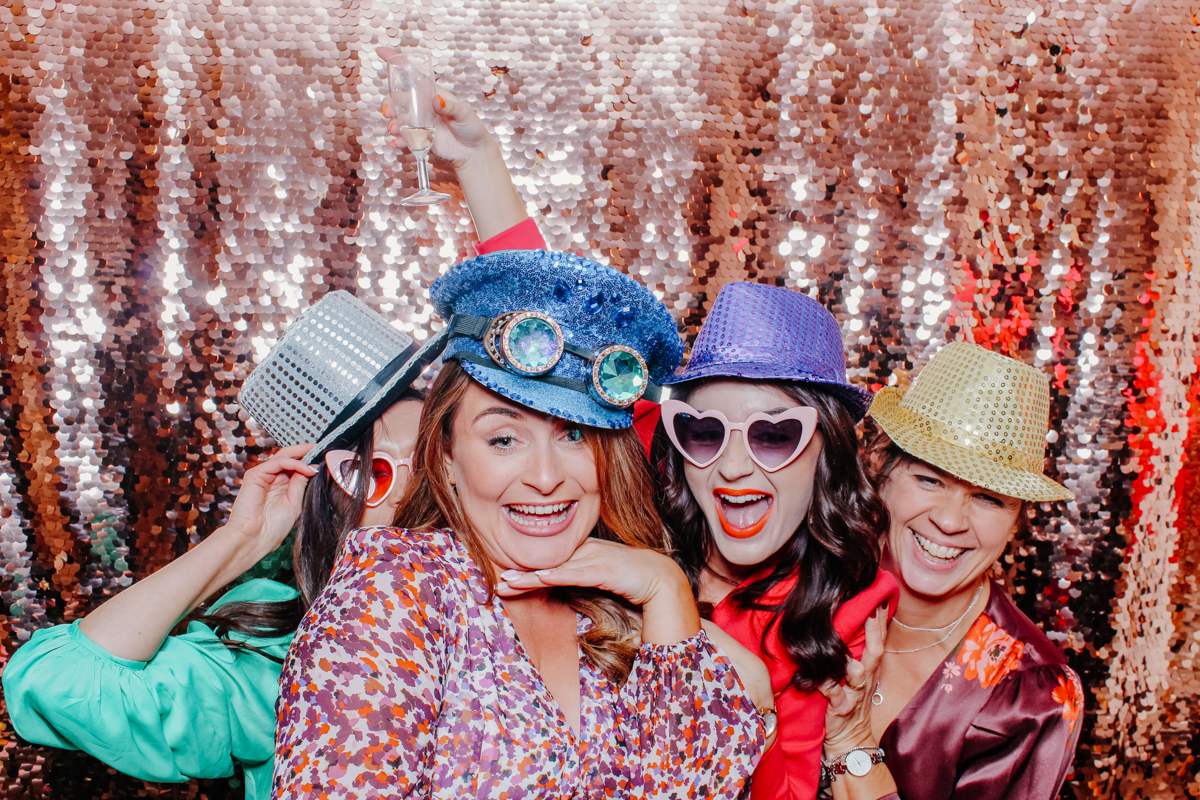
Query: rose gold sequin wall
{"points": [[178, 180]]}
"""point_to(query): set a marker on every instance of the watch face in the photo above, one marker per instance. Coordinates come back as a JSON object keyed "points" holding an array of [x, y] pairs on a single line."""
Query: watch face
{"points": [[858, 763]]}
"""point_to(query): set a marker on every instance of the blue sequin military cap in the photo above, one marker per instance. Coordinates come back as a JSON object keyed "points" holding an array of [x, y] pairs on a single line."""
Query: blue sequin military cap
{"points": [[558, 333]]}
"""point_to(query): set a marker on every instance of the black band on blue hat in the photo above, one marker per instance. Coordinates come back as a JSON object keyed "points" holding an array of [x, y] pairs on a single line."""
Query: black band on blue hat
{"points": [[653, 390], [477, 327]]}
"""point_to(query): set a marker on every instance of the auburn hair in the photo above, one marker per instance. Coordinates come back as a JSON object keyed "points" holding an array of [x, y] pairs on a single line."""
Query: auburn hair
{"points": [[834, 553], [626, 515]]}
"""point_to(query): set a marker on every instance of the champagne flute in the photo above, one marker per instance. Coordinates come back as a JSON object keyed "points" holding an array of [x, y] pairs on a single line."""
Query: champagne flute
{"points": [[411, 89]]}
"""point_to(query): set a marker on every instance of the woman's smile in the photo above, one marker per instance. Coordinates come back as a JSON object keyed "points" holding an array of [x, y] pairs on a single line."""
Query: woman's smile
{"points": [[541, 519], [743, 512]]}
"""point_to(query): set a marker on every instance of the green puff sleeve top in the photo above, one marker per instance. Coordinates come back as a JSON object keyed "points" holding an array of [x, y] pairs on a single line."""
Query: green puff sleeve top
{"points": [[192, 711]]}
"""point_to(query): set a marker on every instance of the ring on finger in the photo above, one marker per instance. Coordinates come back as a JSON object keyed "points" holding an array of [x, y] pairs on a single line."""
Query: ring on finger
{"points": [[858, 687]]}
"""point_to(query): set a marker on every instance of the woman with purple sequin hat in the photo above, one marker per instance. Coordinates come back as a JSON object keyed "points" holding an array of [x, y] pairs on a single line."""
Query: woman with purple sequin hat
{"points": [[773, 519]]}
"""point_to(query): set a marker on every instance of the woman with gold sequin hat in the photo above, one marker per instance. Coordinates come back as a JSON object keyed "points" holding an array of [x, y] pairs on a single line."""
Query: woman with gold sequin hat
{"points": [[197, 705], [772, 518], [968, 696], [493, 648]]}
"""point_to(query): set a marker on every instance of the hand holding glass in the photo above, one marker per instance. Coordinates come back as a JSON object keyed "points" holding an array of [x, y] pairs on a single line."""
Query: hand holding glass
{"points": [[412, 91]]}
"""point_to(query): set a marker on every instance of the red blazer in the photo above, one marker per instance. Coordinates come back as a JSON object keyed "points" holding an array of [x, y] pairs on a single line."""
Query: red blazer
{"points": [[791, 767]]}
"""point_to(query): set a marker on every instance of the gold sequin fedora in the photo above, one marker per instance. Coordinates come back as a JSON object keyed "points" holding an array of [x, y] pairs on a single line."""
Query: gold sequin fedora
{"points": [[978, 415]]}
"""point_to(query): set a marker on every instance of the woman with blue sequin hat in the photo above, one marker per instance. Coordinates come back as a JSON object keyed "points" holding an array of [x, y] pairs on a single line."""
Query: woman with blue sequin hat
{"points": [[772, 518], [491, 647]]}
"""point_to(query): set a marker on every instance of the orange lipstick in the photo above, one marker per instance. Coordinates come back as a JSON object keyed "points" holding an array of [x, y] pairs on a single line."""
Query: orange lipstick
{"points": [[731, 529]]}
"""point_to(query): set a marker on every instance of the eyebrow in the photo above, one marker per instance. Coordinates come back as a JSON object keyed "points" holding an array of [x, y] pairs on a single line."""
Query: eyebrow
{"points": [[770, 412], [500, 410]]}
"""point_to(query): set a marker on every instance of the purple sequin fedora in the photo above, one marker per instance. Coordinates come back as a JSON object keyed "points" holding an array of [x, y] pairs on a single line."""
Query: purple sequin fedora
{"points": [[764, 333]]}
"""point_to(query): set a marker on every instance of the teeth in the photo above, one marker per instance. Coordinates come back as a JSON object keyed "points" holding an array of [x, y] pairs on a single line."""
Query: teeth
{"points": [[937, 551], [539, 516], [738, 500], [541, 510]]}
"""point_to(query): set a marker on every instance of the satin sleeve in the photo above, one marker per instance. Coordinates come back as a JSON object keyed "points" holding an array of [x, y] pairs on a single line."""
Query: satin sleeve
{"points": [[191, 711], [361, 690], [522, 236], [1022, 743], [688, 728]]}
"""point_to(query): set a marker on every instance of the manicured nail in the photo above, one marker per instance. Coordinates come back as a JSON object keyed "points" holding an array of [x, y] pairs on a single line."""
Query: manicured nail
{"points": [[443, 100], [502, 586], [542, 571], [509, 574]]}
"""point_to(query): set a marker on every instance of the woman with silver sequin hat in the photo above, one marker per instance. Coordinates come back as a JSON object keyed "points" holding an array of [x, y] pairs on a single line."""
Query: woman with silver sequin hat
{"points": [[490, 649], [771, 516], [969, 698], [197, 705]]}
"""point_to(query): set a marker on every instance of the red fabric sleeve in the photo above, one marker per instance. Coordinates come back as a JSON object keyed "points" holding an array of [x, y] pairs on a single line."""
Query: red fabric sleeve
{"points": [[522, 236], [790, 768], [850, 619], [645, 420]]}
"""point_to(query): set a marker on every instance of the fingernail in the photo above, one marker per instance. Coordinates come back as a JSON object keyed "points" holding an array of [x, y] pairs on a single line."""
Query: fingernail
{"points": [[542, 571], [502, 586], [443, 100], [510, 574]]}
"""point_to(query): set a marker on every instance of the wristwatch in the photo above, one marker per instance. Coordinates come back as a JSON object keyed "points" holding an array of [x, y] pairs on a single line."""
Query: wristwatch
{"points": [[770, 721], [857, 762]]}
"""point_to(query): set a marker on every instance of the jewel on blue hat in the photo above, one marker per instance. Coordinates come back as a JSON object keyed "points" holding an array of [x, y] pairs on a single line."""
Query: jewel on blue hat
{"points": [[762, 332], [558, 333]]}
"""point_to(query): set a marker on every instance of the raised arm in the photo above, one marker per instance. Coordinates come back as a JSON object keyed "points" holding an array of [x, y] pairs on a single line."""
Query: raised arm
{"points": [[134, 624]]}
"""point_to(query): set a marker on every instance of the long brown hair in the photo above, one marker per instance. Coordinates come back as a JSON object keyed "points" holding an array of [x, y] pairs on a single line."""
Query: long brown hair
{"points": [[328, 516], [626, 515], [834, 554]]}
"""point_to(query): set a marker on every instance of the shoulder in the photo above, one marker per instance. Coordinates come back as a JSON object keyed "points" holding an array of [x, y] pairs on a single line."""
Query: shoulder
{"points": [[406, 558], [852, 614], [1036, 648], [401, 545]]}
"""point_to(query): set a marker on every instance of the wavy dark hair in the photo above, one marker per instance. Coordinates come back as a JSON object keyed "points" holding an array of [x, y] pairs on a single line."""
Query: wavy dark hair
{"points": [[328, 516], [834, 553]]}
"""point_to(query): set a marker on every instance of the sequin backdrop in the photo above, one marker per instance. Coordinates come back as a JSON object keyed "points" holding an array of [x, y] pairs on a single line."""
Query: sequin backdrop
{"points": [[180, 179]]}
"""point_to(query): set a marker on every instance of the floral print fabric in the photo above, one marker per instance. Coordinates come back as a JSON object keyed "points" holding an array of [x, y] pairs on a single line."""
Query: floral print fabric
{"points": [[404, 681]]}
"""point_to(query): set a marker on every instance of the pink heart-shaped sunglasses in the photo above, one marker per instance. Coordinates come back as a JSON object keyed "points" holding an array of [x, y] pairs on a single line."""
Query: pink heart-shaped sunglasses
{"points": [[343, 466], [772, 440]]}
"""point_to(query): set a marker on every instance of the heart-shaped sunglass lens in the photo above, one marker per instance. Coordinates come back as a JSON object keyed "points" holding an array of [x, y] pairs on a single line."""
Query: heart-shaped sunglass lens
{"points": [[699, 437], [381, 478], [773, 443]]}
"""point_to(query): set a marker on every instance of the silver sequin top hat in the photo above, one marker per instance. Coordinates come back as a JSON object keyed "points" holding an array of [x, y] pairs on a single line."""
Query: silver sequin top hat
{"points": [[335, 368]]}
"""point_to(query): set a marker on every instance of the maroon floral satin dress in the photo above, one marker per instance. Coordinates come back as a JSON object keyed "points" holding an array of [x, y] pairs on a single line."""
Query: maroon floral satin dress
{"points": [[998, 719]]}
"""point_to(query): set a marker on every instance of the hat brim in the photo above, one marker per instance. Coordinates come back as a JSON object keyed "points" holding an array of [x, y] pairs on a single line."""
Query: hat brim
{"points": [[856, 400], [395, 386], [549, 399], [962, 462]]}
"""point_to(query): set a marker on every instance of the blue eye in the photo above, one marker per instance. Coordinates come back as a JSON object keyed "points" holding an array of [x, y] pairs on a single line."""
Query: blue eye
{"points": [[574, 435]]}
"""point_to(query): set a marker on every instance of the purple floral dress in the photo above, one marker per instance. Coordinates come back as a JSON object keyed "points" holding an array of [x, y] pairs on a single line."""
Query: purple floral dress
{"points": [[403, 681]]}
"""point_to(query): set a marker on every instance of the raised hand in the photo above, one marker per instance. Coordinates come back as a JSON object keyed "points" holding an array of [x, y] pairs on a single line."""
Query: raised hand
{"points": [[848, 718], [643, 577], [269, 502]]}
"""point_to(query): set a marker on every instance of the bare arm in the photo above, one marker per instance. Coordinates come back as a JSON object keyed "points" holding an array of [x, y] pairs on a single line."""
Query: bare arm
{"points": [[134, 624]]}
